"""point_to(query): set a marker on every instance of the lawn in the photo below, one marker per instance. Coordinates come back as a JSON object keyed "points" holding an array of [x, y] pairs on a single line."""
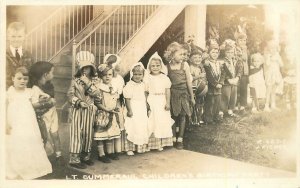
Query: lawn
{"points": [[266, 139]]}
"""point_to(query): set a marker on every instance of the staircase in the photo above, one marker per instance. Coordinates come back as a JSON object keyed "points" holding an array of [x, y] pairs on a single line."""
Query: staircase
{"points": [[127, 30]]}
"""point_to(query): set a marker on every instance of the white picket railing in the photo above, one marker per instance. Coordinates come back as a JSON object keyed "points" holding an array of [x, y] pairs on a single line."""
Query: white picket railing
{"points": [[114, 32], [55, 32]]}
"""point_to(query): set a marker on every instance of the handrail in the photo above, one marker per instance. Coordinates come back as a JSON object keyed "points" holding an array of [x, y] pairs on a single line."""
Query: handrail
{"points": [[78, 34], [103, 21], [54, 33], [113, 33]]}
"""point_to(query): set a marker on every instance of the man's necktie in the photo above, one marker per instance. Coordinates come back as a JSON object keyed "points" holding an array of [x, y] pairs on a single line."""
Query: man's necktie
{"points": [[18, 57]]}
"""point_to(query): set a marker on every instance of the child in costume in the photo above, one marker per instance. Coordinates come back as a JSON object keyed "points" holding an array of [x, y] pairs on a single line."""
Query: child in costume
{"points": [[215, 79], [232, 73], [107, 129], [136, 120], [182, 96], [257, 81], [273, 77], [199, 83], [118, 82], [160, 121], [81, 97]]}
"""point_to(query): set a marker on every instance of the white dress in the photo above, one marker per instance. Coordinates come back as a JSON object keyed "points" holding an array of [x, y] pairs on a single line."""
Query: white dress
{"points": [[160, 121], [136, 126], [257, 82], [26, 156]]}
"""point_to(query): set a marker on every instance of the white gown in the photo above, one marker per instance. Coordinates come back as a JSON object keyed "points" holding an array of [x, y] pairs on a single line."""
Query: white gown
{"points": [[136, 126], [160, 121], [26, 156]]}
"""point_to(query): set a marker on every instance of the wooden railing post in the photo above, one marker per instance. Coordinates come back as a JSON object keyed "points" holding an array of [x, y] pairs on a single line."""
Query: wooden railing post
{"points": [[74, 57]]}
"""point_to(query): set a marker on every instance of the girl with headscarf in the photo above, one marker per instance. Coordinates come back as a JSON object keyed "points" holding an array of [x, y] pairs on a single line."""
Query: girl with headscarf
{"points": [[160, 121], [136, 120]]}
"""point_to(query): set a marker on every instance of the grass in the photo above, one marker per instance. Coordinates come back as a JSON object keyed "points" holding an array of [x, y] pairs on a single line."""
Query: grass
{"points": [[265, 139]]}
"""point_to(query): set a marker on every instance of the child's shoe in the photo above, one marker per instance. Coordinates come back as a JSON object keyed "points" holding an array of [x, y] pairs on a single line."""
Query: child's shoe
{"points": [[179, 145], [60, 161], [88, 162], [113, 156], [130, 153], [104, 159], [78, 165], [221, 115], [231, 114], [160, 149]]}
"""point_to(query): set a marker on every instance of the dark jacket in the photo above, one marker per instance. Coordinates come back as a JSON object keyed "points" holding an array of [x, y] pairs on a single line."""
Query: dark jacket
{"points": [[228, 74], [213, 79], [12, 64]]}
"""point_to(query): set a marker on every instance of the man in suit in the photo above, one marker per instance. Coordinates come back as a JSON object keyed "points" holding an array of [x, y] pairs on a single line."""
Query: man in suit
{"points": [[16, 55]]}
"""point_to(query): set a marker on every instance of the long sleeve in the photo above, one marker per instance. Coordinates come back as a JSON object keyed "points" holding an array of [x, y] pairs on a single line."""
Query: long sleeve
{"points": [[73, 99], [222, 75]]}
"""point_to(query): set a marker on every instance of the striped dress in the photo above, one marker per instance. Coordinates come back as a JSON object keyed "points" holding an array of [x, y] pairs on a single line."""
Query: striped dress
{"points": [[81, 129]]}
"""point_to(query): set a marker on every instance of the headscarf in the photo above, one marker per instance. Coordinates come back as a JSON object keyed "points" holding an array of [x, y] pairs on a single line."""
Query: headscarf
{"points": [[137, 64], [163, 70], [114, 64]]}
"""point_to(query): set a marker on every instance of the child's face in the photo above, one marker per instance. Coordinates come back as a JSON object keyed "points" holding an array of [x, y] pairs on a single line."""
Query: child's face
{"points": [[256, 62], [179, 56], [155, 67], [229, 54], [108, 77], [241, 42], [49, 75], [196, 59], [16, 37], [20, 81], [186, 55], [214, 54], [137, 75], [86, 70]]}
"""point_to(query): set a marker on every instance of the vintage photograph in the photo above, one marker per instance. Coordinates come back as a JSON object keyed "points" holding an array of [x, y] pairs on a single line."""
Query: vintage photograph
{"points": [[150, 91]]}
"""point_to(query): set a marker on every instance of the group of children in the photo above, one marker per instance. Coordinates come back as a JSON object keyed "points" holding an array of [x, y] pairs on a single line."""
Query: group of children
{"points": [[223, 74], [134, 117], [149, 112]]}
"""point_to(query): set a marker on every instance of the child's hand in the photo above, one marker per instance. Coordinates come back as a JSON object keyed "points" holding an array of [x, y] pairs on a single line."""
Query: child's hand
{"points": [[83, 105], [218, 86], [53, 101], [117, 109], [167, 107], [230, 81], [43, 98], [85, 79], [129, 114]]}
